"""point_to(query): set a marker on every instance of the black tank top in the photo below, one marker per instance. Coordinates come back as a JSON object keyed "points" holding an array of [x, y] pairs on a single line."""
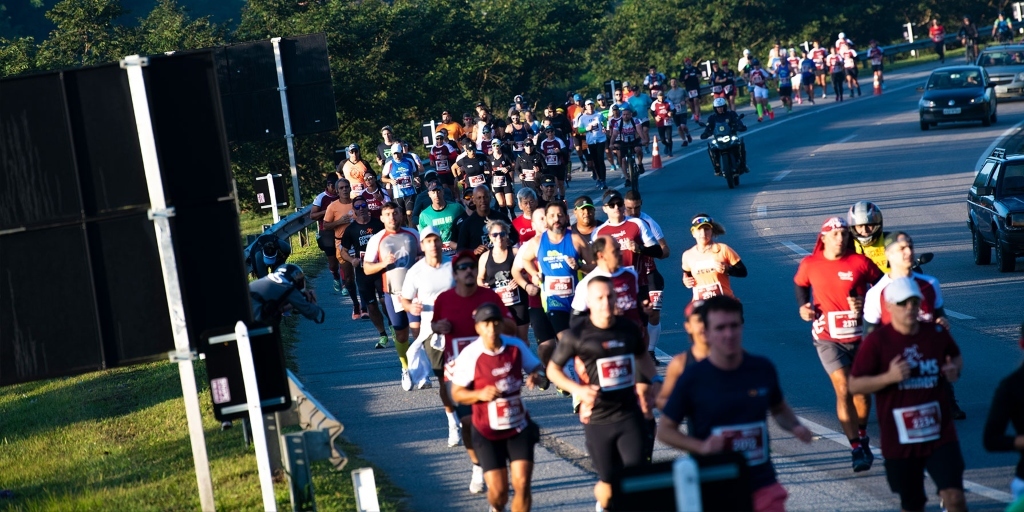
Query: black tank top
{"points": [[499, 277], [690, 359]]}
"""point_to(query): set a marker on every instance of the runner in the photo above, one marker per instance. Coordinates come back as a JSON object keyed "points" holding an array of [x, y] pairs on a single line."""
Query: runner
{"points": [[502, 180], [834, 63], [392, 253], [592, 123], [677, 97], [453, 322], [384, 148], [690, 77], [875, 55], [708, 265], [443, 216], [807, 76], [452, 130], [697, 352], [633, 235], [849, 56], [794, 65], [443, 155], [662, 110], [785, 77], [375, 196], [543, 331], [905, 365], [839, 279], [529, 165], [426, 280], [586, 217], [937, 33], [652, 282], [614, 354], [523, 224], [730, 83], [336, 219], [400, 174], [472, 232], [354, 168], [1008, 408], [488, 376], [517, 133], [723, 416], [654, 81], [759, 78], [317, 213], [556, 156], [470, 168], [495, 272], [817, 55], [353, 250]]}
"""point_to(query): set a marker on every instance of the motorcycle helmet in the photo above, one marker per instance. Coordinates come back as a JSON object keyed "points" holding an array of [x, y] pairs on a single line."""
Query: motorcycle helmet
{"points": [[719, 103], [864, 213], [292, 273]]}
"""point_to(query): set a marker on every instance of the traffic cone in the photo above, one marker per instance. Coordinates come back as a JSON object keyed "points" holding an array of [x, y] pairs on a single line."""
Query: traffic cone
{"points": [[655, 156], [878, 87]]}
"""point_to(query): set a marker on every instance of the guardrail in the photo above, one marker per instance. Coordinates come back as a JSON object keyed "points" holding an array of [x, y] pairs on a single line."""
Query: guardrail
{"points": [[923, 43], [283, 230]]}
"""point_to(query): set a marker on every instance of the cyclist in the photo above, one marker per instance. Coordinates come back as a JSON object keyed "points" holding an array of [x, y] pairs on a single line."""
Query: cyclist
{"points": [[502, 179], [839, 278], [875, 55], [722, 115], [592, 124], [1003, 28], [834, 63], [495, 272], [690, 76], [759, 78], [662, 109], [708, 265], [865, 220], [968, 35], [818, 55], [849, 56], [640, 104], [628, 135]]}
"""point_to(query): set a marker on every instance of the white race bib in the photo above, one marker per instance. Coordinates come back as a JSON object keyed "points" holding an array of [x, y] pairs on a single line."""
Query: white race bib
{"points": [[551, 159], [693, 93], [509, 293], [459, 344], [476, 180], [448, 248], [750, 439], [528, 174], [559, 286], [919, 423], [615, 372], [655, 298], [667, 121], [441, 164], [506, 413], [498, 180], [518, 145], [728, 88], [843, 325], [706, 291]]}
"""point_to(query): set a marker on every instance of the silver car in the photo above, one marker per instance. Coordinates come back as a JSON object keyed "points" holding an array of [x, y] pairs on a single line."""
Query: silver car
{"points": [[1005, 66]]}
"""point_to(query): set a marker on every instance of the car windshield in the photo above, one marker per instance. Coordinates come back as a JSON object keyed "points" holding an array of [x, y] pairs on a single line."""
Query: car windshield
{"points": [[954, 79], [1001, 58], [1013, 180]]}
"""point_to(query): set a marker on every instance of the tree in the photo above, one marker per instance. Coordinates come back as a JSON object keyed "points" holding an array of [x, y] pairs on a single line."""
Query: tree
{"points": [[16, 56], [85, 34], [168, 27]]}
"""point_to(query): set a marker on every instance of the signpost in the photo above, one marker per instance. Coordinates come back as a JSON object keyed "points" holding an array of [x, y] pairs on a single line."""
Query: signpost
{"points": [[909, 34], [266, 193]]}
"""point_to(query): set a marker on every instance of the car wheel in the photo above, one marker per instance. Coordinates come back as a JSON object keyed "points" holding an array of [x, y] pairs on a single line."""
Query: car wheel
{"points": [[993, 114], [987, 120], [924, 126], [982, 251], [1005, 259]]}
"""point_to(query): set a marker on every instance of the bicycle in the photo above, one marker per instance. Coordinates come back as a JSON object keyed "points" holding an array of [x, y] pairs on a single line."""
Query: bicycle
{"points": [[631, 167], [970, 50]]}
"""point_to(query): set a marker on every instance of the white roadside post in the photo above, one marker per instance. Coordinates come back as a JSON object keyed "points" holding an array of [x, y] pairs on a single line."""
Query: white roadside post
{"points": [[160, 215], [259, 435], [288, 135], [909, 34]]}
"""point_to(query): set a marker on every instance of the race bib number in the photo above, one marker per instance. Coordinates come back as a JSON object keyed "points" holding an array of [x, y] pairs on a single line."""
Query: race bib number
{"points": [[717, 89], [551, 159], [558, 286], [441, 164], [448, 248], [615, 372], [706, 291], [693, 93], [476, 180], [460, 344], [506, 413], [667, 121], [843, 325], [918, 424], [518, 145], [757, 79], [728, 88], [528, 174], [750, 439], [404, 182], [655, 297], [509, 293], [498, 180]]}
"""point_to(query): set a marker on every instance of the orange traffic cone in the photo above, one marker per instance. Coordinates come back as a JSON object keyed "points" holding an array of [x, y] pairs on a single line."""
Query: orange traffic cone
{"points": [[878, 87], [655, 156]]}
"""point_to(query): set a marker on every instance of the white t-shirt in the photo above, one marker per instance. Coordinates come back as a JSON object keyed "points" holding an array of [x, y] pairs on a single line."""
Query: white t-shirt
{"points": [[653, 226], [425, 283], [404, 244]]}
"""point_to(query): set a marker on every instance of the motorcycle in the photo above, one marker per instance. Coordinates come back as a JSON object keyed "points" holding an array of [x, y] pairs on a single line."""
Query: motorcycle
{"points": [[725, 147]]}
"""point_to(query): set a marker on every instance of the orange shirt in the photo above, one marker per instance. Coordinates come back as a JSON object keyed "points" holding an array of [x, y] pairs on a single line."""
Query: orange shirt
{"points": [[353, 172], [338, 210], [573, 110], [454, 130], [710, 282]]}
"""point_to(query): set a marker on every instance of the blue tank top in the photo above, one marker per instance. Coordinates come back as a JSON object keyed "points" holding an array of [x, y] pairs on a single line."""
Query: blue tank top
{"points": [[402, 172], [519, 136], [559, 280]]}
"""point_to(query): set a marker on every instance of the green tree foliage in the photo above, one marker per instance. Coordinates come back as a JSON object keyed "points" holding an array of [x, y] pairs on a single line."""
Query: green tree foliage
{"points": [[17, 56], [85, 34], [169, 27]]}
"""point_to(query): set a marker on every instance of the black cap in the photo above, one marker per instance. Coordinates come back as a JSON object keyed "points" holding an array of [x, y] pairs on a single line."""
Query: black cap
{"points": [[547, 179], [612, 196], [486, 312], [583, 202], [430, 176]]}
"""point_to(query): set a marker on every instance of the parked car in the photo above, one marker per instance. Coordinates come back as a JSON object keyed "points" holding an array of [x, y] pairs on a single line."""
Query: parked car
{"points": [[1005, 67], [958, 93], [996, 210]]}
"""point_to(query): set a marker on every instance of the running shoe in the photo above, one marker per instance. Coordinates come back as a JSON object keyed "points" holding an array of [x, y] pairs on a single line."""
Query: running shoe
{"points": [[771, 115], [424, 384], [344, 292], [454, 437], [337, 285], [865, 442], [406, 380], [476, 484], [381, 343], [861, 459], [363, 315], [542, 382], [760, 118], [356, 314]]}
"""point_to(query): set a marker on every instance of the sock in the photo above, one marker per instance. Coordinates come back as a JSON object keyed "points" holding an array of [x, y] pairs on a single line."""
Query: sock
{"points": [[652, 427], [854, 444], [402, 347], [654, 332], [453, 420], [352, 294], [336, 274], [759, 111], [862, 431]]}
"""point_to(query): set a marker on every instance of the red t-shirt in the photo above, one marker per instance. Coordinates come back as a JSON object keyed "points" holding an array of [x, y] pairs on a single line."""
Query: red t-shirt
{"points": [[818, 56], [443, 157], [476, 368], [937, 33], [552, 151], [525, 228], [458, 310], [630, 229], [914, 416], [831, 283], [662, 112]]}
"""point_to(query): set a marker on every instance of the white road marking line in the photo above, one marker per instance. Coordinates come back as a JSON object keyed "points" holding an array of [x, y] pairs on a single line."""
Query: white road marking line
{"points": [[795, 248], [959, 316], [995, 143], [781, 175], [846, 139], [662, 356], [762, 211], [976, 488]]}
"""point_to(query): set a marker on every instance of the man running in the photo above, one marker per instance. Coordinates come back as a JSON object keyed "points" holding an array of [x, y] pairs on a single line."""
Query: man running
{"points": [[592, 123], [652, 284], [400, 174], [473, 231], [337, 217], [875, 55], [759, 79], [488, 376], [633, 235], [726, 397], [817, 55], [556, 156], [529, 166], [690, 76], [697, 352], [677, 97], [839, 279], [617, 369], [426, 280], [393, 252], [906, 365], [662, 110], [354, 169], [353, 250], [443, 155], [849, 56], [443, 216], [586, 217]]}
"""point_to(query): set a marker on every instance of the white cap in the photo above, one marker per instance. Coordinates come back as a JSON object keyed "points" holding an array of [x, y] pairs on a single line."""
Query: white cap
{"points": [[842, 35], [901, 289], [746, 52], [427, 231], [396, 147]]}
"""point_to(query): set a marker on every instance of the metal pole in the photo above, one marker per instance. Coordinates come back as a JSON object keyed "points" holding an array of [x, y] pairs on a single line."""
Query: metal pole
{"points": [[259, 435], [273, 198], [910, 37], [289, 137], [160, 215]]}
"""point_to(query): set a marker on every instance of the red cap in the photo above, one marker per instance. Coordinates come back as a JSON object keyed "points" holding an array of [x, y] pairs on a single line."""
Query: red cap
{"points": [[463, 255], [833, 223], [692, 308]]}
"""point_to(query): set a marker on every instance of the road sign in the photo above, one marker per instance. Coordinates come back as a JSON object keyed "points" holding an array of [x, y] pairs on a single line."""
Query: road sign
{"points": [[268, 190]]}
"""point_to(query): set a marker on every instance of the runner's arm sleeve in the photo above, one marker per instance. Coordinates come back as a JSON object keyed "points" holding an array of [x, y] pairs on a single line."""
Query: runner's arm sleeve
{"points": [[737, 270], [653, 251], [994, 437], [803, 295]]}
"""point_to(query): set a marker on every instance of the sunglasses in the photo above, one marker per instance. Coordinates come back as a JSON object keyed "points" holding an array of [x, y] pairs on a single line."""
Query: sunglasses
{"points": [[364, 206], [465, 266], [700, 220], [500, 234], [614, 204], [911, 301]]}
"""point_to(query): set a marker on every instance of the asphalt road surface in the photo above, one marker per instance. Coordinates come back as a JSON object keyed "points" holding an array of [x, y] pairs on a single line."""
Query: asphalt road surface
{"points": [[806, 165]]}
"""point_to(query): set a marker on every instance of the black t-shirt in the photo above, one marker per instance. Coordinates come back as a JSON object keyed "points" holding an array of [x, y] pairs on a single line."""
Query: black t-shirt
{"points": [[690, 76], [501, 171], [473, 230], [357, 235], [529, 165], [610, 356], [736, 401], [1007, 408], [384, 151], [475, 165]]}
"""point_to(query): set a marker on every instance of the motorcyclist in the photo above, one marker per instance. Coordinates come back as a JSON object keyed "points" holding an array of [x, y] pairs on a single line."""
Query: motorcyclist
{"points": [[865, 220], [723, 116]]}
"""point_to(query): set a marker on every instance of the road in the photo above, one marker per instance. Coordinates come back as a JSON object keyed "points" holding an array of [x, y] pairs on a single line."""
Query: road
{"points": [[806, 165]]}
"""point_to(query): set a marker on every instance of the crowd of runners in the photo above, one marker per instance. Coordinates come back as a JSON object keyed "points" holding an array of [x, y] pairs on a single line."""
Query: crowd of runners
{"points": [[474, 272]]}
